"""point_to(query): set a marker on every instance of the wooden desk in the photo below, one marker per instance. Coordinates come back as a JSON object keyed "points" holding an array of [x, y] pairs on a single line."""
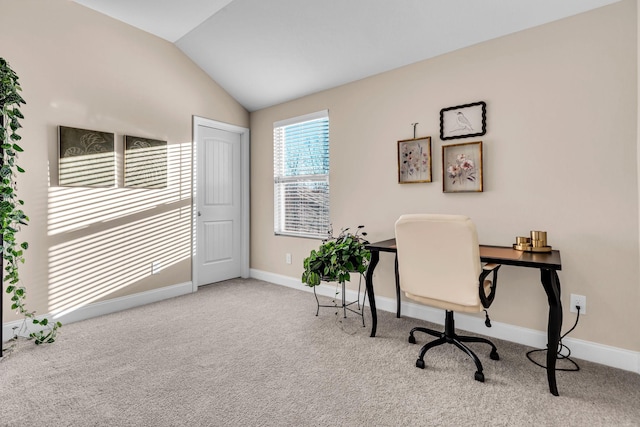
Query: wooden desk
{"points": [[548, 263]]}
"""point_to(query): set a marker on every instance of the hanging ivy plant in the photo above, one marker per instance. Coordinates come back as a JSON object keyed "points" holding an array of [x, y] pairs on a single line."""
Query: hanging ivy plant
{"points": [[12, 218]]}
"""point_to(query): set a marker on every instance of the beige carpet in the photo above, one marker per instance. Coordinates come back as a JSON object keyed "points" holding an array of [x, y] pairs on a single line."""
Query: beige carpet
{"points": [[249, 353]]}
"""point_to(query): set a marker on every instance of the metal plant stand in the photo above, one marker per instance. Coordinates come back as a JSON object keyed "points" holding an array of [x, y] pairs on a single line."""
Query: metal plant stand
{"points": [[344, 304]]}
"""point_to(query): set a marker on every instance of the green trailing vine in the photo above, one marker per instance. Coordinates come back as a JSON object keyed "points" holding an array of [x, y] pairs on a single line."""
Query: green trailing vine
{"points": [[12, 215]]}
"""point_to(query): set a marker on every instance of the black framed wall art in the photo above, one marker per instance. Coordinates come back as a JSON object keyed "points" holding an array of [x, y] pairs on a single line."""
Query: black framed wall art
{"points": [[145, 162], [463, 121], [86, 158]]}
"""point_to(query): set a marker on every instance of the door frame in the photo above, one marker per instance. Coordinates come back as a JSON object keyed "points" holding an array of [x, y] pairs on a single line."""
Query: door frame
{"points": [[244, 193]]}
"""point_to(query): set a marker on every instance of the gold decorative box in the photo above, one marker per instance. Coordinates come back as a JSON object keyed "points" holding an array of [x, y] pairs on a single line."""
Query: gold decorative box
{"points": [[536, 243]]}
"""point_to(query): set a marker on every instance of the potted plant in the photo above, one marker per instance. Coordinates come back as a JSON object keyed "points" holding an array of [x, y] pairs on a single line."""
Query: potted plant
{"points": [[12, 217], [336, 258], [334, 261]]}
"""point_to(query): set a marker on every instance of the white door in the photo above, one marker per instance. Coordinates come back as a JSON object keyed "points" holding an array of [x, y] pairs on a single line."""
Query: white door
{"points": [[219, 205]]}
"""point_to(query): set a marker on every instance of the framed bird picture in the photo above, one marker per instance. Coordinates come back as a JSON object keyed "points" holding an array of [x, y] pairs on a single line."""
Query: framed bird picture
{"points": [[463, 121]]}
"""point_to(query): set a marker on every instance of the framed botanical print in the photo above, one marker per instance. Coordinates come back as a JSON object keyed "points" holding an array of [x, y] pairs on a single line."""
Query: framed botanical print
{"points": [[145, 162], [86, 158], [414, 160], [462, 167]]}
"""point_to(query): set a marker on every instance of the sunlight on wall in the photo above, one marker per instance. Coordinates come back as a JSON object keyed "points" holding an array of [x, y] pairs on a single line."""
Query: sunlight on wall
{"points": [[73, 208], [103, 240]]}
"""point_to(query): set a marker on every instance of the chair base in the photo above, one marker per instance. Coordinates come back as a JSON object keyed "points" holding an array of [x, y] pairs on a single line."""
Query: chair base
{"points": [[449, 336]]}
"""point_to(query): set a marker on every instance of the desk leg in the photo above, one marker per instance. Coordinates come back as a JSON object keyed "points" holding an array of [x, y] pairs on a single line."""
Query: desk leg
{"points": [[397, 288], [375, 257], [551, 284]]}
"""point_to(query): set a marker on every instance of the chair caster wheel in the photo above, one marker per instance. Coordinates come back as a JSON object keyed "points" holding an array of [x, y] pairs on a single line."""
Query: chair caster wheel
{"points": [[494, 355], [479, 377], [420, 363], [412, 339]]}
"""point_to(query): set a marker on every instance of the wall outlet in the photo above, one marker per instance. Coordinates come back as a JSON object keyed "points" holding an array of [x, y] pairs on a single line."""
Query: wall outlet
{"points": [[156, 266], [580, 300], [288, 258]]}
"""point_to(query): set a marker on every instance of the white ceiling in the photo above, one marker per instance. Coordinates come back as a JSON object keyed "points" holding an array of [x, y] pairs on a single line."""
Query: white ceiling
{"points": [[264, 52]]}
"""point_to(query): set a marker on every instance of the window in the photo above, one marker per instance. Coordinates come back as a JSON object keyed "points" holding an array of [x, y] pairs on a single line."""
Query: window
{"points": [[301, 175]]}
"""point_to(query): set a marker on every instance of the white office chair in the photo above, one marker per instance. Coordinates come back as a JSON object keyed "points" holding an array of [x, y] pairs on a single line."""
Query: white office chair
{"points": [[439, 265]]}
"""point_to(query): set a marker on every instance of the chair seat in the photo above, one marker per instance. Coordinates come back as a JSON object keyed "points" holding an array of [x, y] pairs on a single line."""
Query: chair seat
{"points": [[446, 305]]}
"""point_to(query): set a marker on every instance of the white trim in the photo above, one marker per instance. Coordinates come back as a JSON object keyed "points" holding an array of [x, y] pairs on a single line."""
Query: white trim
{"points": [[109, 306], [304, 118], [620, 358], [245, 166], [291, 186]]}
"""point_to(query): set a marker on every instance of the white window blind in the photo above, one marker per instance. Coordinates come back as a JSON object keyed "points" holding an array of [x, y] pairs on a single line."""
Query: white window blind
{"points": [[301, 175]]}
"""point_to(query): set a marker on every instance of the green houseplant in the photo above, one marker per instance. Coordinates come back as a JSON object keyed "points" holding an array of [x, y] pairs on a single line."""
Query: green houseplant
{"points": [[336, 258], [12, 218]]}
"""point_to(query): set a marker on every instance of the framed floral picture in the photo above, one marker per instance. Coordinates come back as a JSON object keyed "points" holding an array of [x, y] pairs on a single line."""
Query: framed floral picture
{"points": [[414, 160], [463, 121], [462, 167], [145, 162], [86, 158]]}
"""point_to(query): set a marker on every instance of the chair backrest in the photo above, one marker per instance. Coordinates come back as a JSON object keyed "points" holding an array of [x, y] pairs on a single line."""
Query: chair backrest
{"points": [[439, 257]]}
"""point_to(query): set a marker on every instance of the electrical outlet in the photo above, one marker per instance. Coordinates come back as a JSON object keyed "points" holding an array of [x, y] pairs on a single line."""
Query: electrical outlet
{"points": [[288, 258], [155, 267], [580, 300]]}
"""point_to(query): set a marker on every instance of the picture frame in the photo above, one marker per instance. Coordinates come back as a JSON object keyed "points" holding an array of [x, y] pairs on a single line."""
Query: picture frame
{"points": [[414, 160], [145, 162], [86, 158], [463, 121], [462, 168]]}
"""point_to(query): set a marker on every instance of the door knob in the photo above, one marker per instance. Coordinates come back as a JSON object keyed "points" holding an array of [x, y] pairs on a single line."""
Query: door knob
{"points": [[199, 213]]}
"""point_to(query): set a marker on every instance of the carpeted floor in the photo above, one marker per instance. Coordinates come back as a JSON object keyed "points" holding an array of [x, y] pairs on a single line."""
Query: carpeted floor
{"points": [[250, 353]]}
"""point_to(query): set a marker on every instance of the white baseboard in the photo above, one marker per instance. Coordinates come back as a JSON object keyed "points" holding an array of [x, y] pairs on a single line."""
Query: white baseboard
{"points": [[109, 306], [581, 349]]}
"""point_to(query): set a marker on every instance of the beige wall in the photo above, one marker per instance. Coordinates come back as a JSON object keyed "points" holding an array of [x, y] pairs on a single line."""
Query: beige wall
{"points": [[82, 69], [560, 154]]}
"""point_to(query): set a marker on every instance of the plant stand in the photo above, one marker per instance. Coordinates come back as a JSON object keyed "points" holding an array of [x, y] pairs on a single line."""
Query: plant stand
{"points": [[345, 305]]}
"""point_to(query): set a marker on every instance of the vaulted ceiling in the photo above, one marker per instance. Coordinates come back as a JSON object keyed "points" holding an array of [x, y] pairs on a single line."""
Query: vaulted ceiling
{"points": [[264, 52]]}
